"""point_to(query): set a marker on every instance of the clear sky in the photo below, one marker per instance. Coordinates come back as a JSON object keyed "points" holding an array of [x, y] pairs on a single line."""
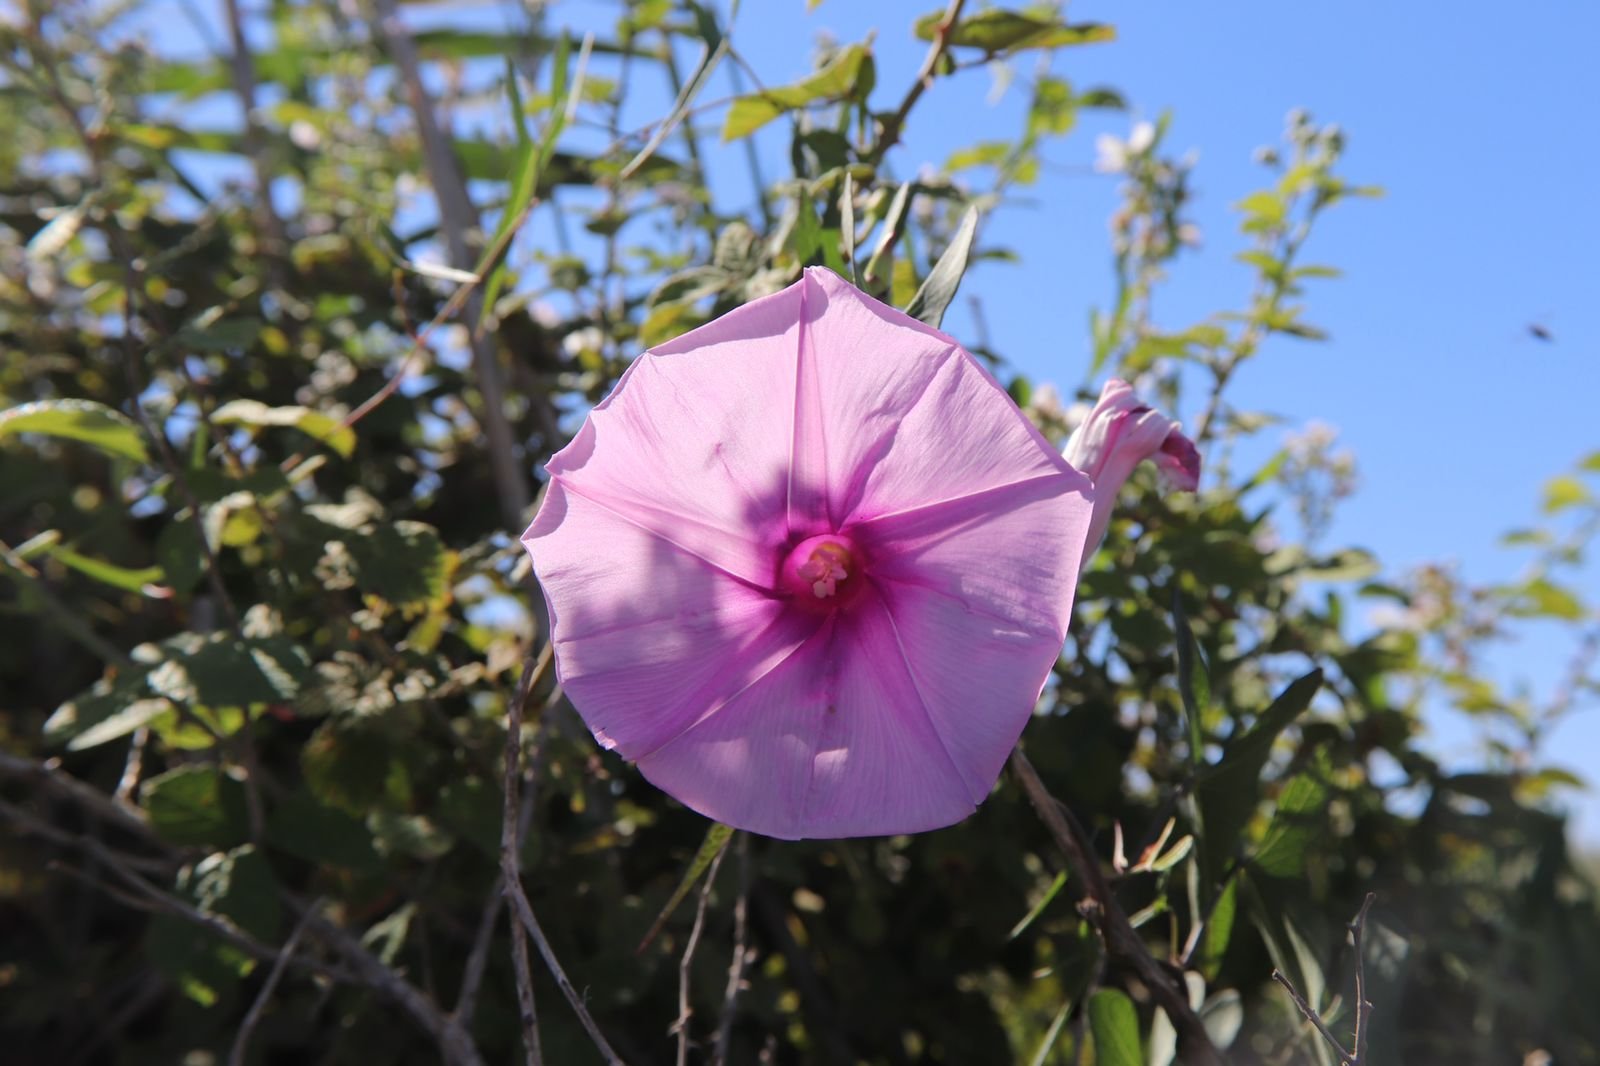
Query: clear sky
{"points": [[1478, 120]]}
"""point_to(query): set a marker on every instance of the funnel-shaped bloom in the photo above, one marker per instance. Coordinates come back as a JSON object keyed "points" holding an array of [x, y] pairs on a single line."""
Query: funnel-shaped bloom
{"points": [[1119, 434], [809, 567]]}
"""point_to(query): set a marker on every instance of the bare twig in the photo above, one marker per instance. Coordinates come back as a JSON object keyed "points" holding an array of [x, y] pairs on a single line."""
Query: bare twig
{"points": [[893, 125], [1347, 1057], [255, 144], [1358, 926], [730, 997], [511, 872], [1122, 941], [241, 1042], [685, 963], [455, 1045], [51, 777], [60, 613], [478, 957], [459, 219], [509, 853], [1311, 1015]]}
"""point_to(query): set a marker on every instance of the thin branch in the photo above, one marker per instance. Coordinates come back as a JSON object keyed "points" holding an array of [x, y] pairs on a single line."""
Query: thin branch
{"points": [[1358, 1056], [255, 143], [51, 777], [455, 1045], [685, 963], [730, 997], [1311, 1015], [241, 1042], [510, 866], [1122, 941], [894, 125], [1363, 1005], [64, 616], [458, 219], [478, 957]]}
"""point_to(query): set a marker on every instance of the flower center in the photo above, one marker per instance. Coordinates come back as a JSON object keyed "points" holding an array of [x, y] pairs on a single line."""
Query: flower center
{"points": [[821, 572]]}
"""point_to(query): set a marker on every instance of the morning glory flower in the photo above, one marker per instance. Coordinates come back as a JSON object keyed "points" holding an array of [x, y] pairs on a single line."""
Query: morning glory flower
{"points": [[1120, 433], [809, 567]]}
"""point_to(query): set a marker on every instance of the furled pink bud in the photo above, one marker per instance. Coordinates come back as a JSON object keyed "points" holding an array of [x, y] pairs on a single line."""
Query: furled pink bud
{"points": [[1119, 434]]}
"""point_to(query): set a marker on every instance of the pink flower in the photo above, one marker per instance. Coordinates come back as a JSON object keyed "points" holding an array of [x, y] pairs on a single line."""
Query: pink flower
{"points": [[1119, 434], [809, 567]]}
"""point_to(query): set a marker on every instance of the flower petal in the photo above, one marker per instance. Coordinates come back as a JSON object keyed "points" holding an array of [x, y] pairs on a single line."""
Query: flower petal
{"points": [[1009, 553], [834, 742], [911, 418], [687, 443], [647, 636]]}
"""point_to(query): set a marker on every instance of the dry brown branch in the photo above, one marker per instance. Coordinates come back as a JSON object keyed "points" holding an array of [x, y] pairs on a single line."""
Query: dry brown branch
{"points": [[511, 871], [730, 996], [1347, 1057], [459, 220], [1121, 939], [241, 1042], [681, 1026]]}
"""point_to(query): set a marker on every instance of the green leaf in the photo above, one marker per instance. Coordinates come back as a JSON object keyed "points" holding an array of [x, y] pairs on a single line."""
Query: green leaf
{"points": [[893, 219], [1115, 1025], [839, 78], [1038, 908], [1193, 686], [404, 563], [533, 159], [933, 298], [323, 835], [717, 837], [1219, 930], [121, 577], [1296, 825], [1542, 598], [320, 427], [847, 224], [91, 423], [1263, 209], [223, 671], [196, 804], [1563, 492], [996, 31], [1228, 792], [134, 716]]}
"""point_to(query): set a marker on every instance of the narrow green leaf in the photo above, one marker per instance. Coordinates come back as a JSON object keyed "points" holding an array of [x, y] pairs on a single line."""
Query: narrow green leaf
{"points": [[1228, 792], [140, 581], [717, 838], [1038, 908], [996, 30], [847, 224], [134, 716], [1115, 1025], [91, 423], [1194, 687], [320, 427], [531, 161], [933, 298], [837, 79], [893, 219]]}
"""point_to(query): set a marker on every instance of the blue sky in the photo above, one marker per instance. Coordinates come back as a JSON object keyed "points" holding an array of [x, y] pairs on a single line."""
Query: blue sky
{"points": [[1476, 121]]}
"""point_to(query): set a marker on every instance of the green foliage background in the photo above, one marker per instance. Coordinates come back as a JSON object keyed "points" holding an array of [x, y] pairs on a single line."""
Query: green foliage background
{"points": [[262, 466]]}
